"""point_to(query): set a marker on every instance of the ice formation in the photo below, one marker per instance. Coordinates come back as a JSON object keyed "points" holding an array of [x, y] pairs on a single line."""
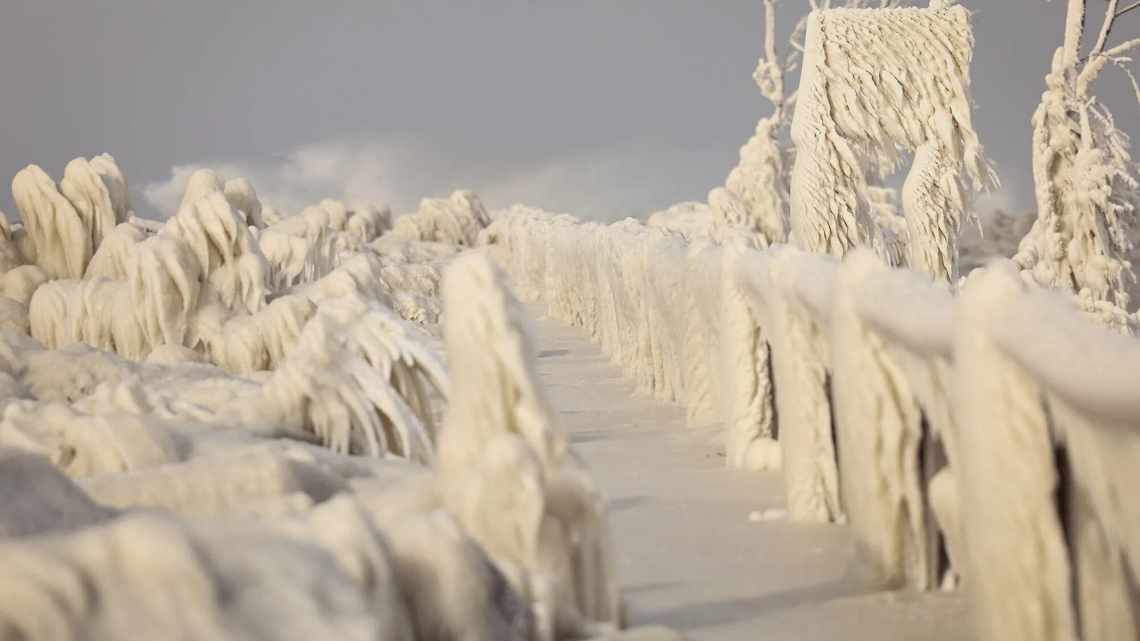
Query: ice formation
{"points": [[875, 82], [857, 118], [264, 397], [1085, 180], [691, 221], [892, 420], [314, 307], [883, 420], [794, 295], [754, 199], [506, 470], [97, 190], [753, 205], [58, 239], [668, 311], [1057, 512], [264, 436], [455, 220]]}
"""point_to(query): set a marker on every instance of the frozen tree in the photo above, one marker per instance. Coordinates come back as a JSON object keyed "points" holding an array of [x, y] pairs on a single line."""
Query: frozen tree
{"points": [[875, 84], [1085, 178], [754, 199]]}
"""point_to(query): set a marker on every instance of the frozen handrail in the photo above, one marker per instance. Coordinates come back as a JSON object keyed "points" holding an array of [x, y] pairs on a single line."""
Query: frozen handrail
{"points": [[810, 277], [1093, 369], [925, 324]]}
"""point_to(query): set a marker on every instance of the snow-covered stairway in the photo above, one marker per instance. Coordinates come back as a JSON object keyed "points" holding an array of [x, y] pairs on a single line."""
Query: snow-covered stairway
{"points": [[688, 555]]}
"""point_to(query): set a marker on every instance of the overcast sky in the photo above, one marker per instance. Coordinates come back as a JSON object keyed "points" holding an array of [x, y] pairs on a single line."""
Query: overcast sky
{"points": [[602, 108]]}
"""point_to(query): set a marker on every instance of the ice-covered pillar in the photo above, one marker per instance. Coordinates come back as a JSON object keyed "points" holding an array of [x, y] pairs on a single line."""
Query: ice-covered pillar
{"points": [[749, 401], [879, 437], [875, 81], [505, 468], [798, 297], [1047, 407], [1016, 558]]}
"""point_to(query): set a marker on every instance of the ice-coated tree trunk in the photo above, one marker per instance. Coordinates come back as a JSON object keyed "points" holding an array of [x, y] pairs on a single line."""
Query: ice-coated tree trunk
{"points": [[875, 81], [933, 207], [1085, 179]]}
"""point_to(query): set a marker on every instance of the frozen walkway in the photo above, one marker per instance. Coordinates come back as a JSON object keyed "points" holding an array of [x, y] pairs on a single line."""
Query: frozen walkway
{"points": [[688, 556]]}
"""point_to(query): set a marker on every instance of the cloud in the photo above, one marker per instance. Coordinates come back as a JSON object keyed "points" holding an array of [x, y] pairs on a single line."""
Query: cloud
{"points": [[356, 173], [609, 183], [603, 185], [1004, 198], [1013, 196]]}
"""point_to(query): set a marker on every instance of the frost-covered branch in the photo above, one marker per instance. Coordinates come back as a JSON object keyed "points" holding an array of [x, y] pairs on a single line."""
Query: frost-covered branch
{"points": [[1086, 181], [1128, 9], [1110, 16]]}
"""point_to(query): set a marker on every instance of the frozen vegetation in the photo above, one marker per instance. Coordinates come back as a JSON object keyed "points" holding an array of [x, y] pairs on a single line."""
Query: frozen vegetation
{"points": [[237, 424], [240, 423]]}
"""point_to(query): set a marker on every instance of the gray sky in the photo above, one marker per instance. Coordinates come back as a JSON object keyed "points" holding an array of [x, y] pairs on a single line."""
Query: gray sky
{"points": [[601, 108]]}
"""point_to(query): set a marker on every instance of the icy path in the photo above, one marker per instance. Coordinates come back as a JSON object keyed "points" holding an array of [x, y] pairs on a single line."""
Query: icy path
{"points": [[688, 557]]}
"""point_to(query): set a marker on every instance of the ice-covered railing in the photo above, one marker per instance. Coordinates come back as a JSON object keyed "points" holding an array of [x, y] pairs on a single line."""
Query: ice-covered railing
{"points": [[1048, 416], [952, 434], [506, 539], [324, 311]]}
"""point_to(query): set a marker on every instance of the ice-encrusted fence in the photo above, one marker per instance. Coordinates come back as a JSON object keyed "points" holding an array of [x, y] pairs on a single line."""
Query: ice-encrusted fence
{"points": [[991, 436]]}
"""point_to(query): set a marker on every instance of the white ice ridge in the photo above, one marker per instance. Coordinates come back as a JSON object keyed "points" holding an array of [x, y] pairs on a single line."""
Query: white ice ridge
{"points": [[263, 535], [881, 419]]}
